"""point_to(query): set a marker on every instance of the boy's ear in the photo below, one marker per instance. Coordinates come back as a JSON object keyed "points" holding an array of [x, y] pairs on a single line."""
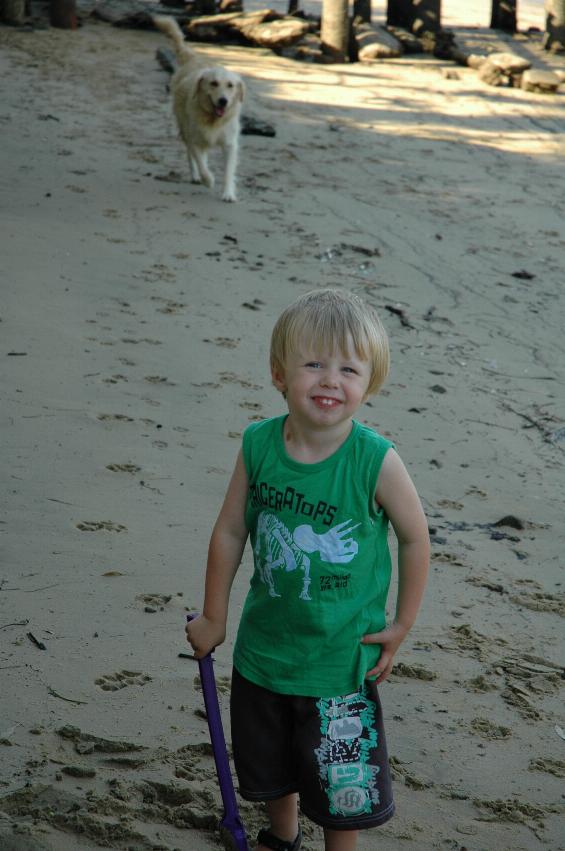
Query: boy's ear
{"points": [[277, 375]]}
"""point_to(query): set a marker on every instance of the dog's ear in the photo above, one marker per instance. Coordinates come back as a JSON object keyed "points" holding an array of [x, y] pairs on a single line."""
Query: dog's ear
{"points": [[240, 90], [200, 80]]}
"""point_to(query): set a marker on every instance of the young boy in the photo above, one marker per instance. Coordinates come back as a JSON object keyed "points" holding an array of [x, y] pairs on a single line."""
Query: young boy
{"points": [[315, 490]]}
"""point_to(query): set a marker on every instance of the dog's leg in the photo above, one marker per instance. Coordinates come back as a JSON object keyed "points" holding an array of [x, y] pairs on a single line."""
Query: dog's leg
{"points": [[230, 164], [194, 170], [201, 159]]}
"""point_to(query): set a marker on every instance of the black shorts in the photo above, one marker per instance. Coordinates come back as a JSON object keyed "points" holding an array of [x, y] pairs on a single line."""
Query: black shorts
{"points": [[332, 751]]}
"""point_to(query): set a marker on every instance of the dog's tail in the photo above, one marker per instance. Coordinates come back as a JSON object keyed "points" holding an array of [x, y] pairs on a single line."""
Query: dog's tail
{"points": [[171, 28]]}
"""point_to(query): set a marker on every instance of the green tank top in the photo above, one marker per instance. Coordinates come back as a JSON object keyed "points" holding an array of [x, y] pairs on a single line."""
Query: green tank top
{"points": [[322, 564]]}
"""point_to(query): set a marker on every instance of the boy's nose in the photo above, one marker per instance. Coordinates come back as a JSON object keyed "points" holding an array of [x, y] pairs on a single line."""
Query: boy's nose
{"points": [[330, 378]]}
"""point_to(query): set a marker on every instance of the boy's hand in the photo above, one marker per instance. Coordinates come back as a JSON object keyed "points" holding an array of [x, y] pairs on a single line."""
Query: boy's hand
{"points": [[390, 640], [204, 634]]}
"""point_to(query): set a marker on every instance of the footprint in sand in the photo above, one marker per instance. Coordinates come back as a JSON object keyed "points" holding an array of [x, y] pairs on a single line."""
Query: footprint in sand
{"points": [[450, 503], [155, 600], [122, 679], [123, 468], [169, 306], [540, 602], [251, 406], [223, 684], [157, 272], [117, 418], [224, 342], [134, 342], [550, 766], [159, 379], [485, 728], [417, 672], [100, 525], [232, 378], [114, 379]]}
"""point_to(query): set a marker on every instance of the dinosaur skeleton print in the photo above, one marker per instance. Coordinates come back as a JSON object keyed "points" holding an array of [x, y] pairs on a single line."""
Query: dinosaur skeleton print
{"points": [[277, 548]]}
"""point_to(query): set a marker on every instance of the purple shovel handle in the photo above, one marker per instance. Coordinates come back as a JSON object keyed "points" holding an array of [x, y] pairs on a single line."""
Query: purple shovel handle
{"points": [[231, 820]]}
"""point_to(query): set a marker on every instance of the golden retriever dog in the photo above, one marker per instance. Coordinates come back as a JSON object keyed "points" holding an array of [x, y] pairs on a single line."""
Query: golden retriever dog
{"points": [[207, 103]]}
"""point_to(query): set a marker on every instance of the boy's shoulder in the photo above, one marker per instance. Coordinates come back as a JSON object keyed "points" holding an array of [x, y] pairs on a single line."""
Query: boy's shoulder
{"points": [[262, 428], [368, 436], [259, 438]]}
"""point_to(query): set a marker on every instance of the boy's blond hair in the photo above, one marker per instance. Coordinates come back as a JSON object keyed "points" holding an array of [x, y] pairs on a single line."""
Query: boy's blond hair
{"points": [[328, 319]]}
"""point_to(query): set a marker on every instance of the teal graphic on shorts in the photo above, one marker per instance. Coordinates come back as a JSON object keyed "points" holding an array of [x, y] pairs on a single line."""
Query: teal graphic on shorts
{"points": [[347, 727]]}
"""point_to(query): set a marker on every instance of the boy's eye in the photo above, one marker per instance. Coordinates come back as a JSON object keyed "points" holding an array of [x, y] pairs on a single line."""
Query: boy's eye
{"points": [[314, 364], [350, 369]]}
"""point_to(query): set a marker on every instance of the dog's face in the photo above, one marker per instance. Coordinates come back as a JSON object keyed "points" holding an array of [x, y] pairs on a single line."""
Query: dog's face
{"points": [[219, 90]]}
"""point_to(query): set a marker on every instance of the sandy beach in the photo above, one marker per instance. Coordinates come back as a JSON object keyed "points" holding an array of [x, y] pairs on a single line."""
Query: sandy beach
{"points": [[134, 322]]}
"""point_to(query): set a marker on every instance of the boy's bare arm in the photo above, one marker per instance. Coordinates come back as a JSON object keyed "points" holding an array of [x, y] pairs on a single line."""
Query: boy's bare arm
{"points": [[398, 497], [224, 556]]}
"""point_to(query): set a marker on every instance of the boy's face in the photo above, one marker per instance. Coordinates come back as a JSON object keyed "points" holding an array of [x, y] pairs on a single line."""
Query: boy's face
{"points": [[323, 389]]}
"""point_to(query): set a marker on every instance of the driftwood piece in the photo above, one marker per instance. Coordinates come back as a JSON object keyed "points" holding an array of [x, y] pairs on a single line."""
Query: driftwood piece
{"points": [[440, 42], [494, 75], [410, 43], [510, 63], [374, 43], [471, 60], [503, 69], [276, 34], [543, 82], [227, 26], [308, 49]]}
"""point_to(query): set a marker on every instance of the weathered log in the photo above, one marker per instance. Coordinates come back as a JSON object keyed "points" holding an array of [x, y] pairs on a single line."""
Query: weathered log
{"points": [[493, 75], [471, 60], [308, 49], [276, 34], [227, 26], [13, 12], [543, 82], [438, 42], [374, 43], [410, 43], [509, 63]]}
